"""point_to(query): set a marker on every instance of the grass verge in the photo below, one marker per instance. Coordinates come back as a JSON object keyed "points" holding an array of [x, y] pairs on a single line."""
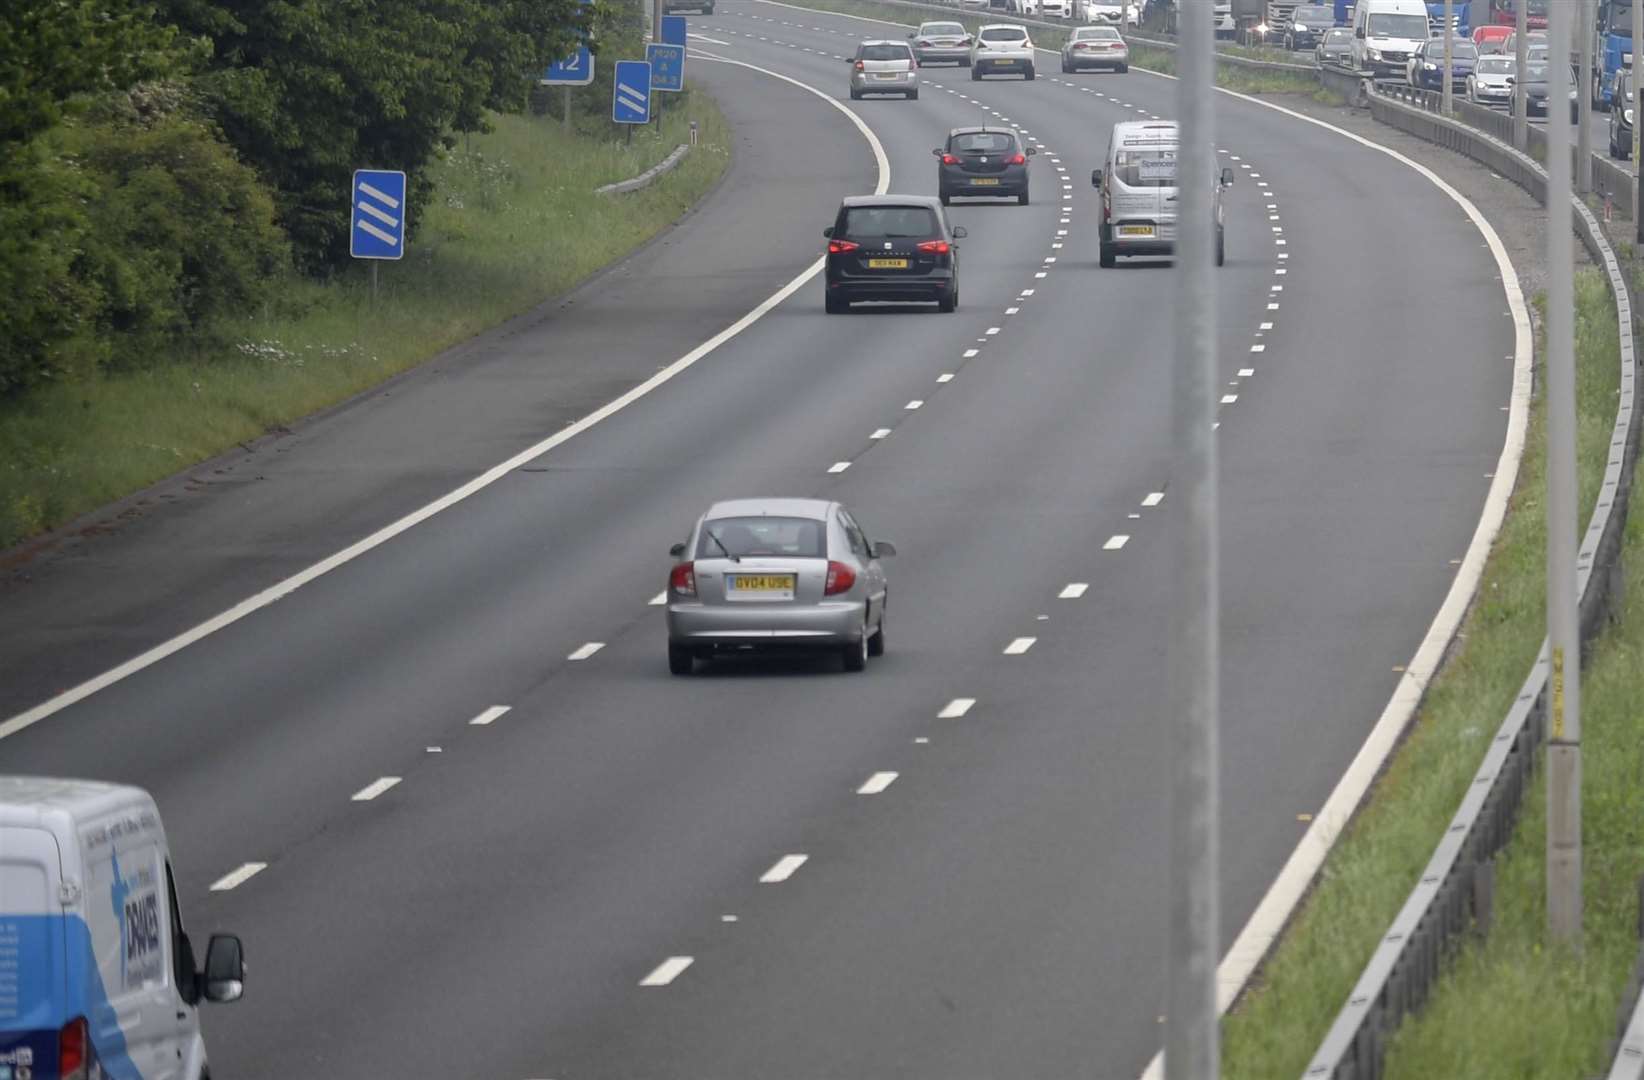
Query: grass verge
{"points": [[514, 221], [1366, 878], [1231, 77]]}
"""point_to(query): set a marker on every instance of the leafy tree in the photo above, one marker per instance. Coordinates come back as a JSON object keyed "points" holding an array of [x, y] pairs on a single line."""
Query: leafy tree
{"points": [[54, 52], [309, 90]]}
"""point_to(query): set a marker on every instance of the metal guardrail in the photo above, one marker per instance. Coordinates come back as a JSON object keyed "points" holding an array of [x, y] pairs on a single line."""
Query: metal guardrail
{"points": [[1406, 963]]}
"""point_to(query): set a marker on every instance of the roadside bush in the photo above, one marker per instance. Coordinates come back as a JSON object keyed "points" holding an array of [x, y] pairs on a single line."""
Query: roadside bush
{"points": [[122, 233]]}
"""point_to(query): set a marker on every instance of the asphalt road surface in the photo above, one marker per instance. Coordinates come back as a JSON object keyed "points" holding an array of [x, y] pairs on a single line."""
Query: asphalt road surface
{"points": [[998, 909]]}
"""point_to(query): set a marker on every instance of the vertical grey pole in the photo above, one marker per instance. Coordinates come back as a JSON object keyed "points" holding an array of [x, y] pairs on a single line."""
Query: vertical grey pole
{"points": [[1584, 94], [373, 283], [1564, 690], [565, 108], [656, 21], [1521, 39], [1192, 1037], [1447, 97], [1636, 47]]}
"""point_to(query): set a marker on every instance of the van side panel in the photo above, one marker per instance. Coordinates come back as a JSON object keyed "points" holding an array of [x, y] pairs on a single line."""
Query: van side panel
{"points": [[48, 968]]}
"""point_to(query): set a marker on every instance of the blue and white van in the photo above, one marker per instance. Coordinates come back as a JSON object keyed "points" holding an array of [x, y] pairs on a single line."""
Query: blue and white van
{"points": [[97, 977]]}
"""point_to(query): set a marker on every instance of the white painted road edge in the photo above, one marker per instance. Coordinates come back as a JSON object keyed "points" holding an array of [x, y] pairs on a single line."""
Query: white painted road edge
{"points": [[1262, 929], [257, 602]]}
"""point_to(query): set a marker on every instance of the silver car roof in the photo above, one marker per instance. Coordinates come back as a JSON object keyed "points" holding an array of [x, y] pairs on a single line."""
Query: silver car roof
{"points": [[815, 509]]}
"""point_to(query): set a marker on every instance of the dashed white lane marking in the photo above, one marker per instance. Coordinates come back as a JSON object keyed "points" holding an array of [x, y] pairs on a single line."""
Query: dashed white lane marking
{"points": [[1041, 274], [1154, 498], [727, 918], [993, 330], [667, 971], [945, 377], [876, 783], [921, 739], [583, 652], [880, 433], [239, 877], [1280, 272], [970, 353], [1246, 372], [1276, 288], [839, 466], [1258, 348], [1019, 646], [1115, 542], [1050, 258], [1027, 292], [1012, 310], [1073, 591], [1267, 326], [783, 870], [1228, 399], [374, 788], [496, 712], [956, 708], [658, 600], [1272, 307], [914, 404]]}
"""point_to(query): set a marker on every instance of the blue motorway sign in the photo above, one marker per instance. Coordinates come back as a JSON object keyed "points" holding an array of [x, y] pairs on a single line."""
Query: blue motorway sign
{"points": [[673, 30], [631, 92], [377, 228], [667, 66], [577, 70]]}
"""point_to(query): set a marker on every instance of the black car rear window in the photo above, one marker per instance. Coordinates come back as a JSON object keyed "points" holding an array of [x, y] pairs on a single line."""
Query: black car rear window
{"points": [[982, 142], [799, 538], [885, 52], [890, 221]]}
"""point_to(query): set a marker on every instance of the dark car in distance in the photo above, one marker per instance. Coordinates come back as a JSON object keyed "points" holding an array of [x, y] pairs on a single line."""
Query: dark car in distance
{"points": [[1307, 26], [982, 161], [892, 247]]}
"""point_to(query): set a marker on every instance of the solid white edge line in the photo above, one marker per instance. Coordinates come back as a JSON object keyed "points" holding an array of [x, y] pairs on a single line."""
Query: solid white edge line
{"points": [[495, 712], [1284, 896], [783, 869], [667, 971], [258, 601], [234, 879]]}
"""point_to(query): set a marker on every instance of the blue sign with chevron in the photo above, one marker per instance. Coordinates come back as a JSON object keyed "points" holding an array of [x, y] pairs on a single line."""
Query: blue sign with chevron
{"points": [[631, 92]]}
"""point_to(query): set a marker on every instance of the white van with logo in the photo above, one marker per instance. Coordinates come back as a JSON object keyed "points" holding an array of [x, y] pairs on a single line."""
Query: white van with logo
{"points": [[1386, 33], [97, 978], [1139, 193]]}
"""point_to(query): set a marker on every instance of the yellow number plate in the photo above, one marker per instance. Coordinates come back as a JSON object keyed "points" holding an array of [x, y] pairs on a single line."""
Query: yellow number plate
{"points": [[1002, 62], [1135, 230], [984, 180], [887, 264], [764, 586]]}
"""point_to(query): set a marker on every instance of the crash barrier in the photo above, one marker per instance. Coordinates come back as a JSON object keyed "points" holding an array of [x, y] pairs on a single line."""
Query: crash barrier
{"points": [[1454, 889], [649, 176]]}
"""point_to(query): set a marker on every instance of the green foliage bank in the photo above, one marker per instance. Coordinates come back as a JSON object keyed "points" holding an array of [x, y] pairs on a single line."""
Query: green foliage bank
{"points": [[166, 164]]}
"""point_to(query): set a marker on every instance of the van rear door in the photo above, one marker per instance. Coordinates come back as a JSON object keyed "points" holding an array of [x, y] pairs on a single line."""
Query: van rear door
{"points": [[34, 977]]}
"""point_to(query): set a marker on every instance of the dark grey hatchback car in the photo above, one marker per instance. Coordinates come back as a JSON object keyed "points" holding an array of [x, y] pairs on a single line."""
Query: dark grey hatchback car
{"points": [[983, 161], [892, 247]]}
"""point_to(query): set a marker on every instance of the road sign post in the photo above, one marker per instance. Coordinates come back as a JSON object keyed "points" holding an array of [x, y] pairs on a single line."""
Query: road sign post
{"points": [[1521, 85], [1584, 90], [575, 70], [1192, 1036], [1638, 99], [376, 227], [1564, 906], [1447, 98]]}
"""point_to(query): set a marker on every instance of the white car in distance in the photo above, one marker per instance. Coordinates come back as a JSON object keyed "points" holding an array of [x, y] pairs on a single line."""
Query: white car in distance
{"points": [[1001, 49]]}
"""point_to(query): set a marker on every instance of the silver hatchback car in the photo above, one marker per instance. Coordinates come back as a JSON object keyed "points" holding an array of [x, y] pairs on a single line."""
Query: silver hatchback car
{"points": [[762, 574], [884, 67]]}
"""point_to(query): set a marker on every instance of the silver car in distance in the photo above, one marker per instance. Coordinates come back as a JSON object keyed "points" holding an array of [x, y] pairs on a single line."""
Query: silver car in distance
{"points": [[762, 574]]}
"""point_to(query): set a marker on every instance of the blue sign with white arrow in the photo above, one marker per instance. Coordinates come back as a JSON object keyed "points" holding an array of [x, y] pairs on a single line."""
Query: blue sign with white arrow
{"points": [[673, 30], [577, 70], [631, 92], [377, 228], [667, 66]]}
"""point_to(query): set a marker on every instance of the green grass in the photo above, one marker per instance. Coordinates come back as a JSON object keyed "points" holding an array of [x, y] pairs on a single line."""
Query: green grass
{"points": [[513, 222], [1366, 878]]}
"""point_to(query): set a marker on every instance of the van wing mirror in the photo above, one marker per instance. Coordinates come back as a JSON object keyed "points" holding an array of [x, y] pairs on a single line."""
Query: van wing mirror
{"points": [[1095, 178], [884, 549], [960, 232], [1032, 150], [677, 551], [1227, 178], [828, 232], [224, 969]]}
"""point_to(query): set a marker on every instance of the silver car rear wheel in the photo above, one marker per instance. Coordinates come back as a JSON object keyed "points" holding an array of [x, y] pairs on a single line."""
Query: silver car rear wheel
{"points": [[856, 653]]}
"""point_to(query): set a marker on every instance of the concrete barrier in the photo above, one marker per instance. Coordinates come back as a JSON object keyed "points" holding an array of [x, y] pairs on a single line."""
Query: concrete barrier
{"points": [[648, 177]]}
